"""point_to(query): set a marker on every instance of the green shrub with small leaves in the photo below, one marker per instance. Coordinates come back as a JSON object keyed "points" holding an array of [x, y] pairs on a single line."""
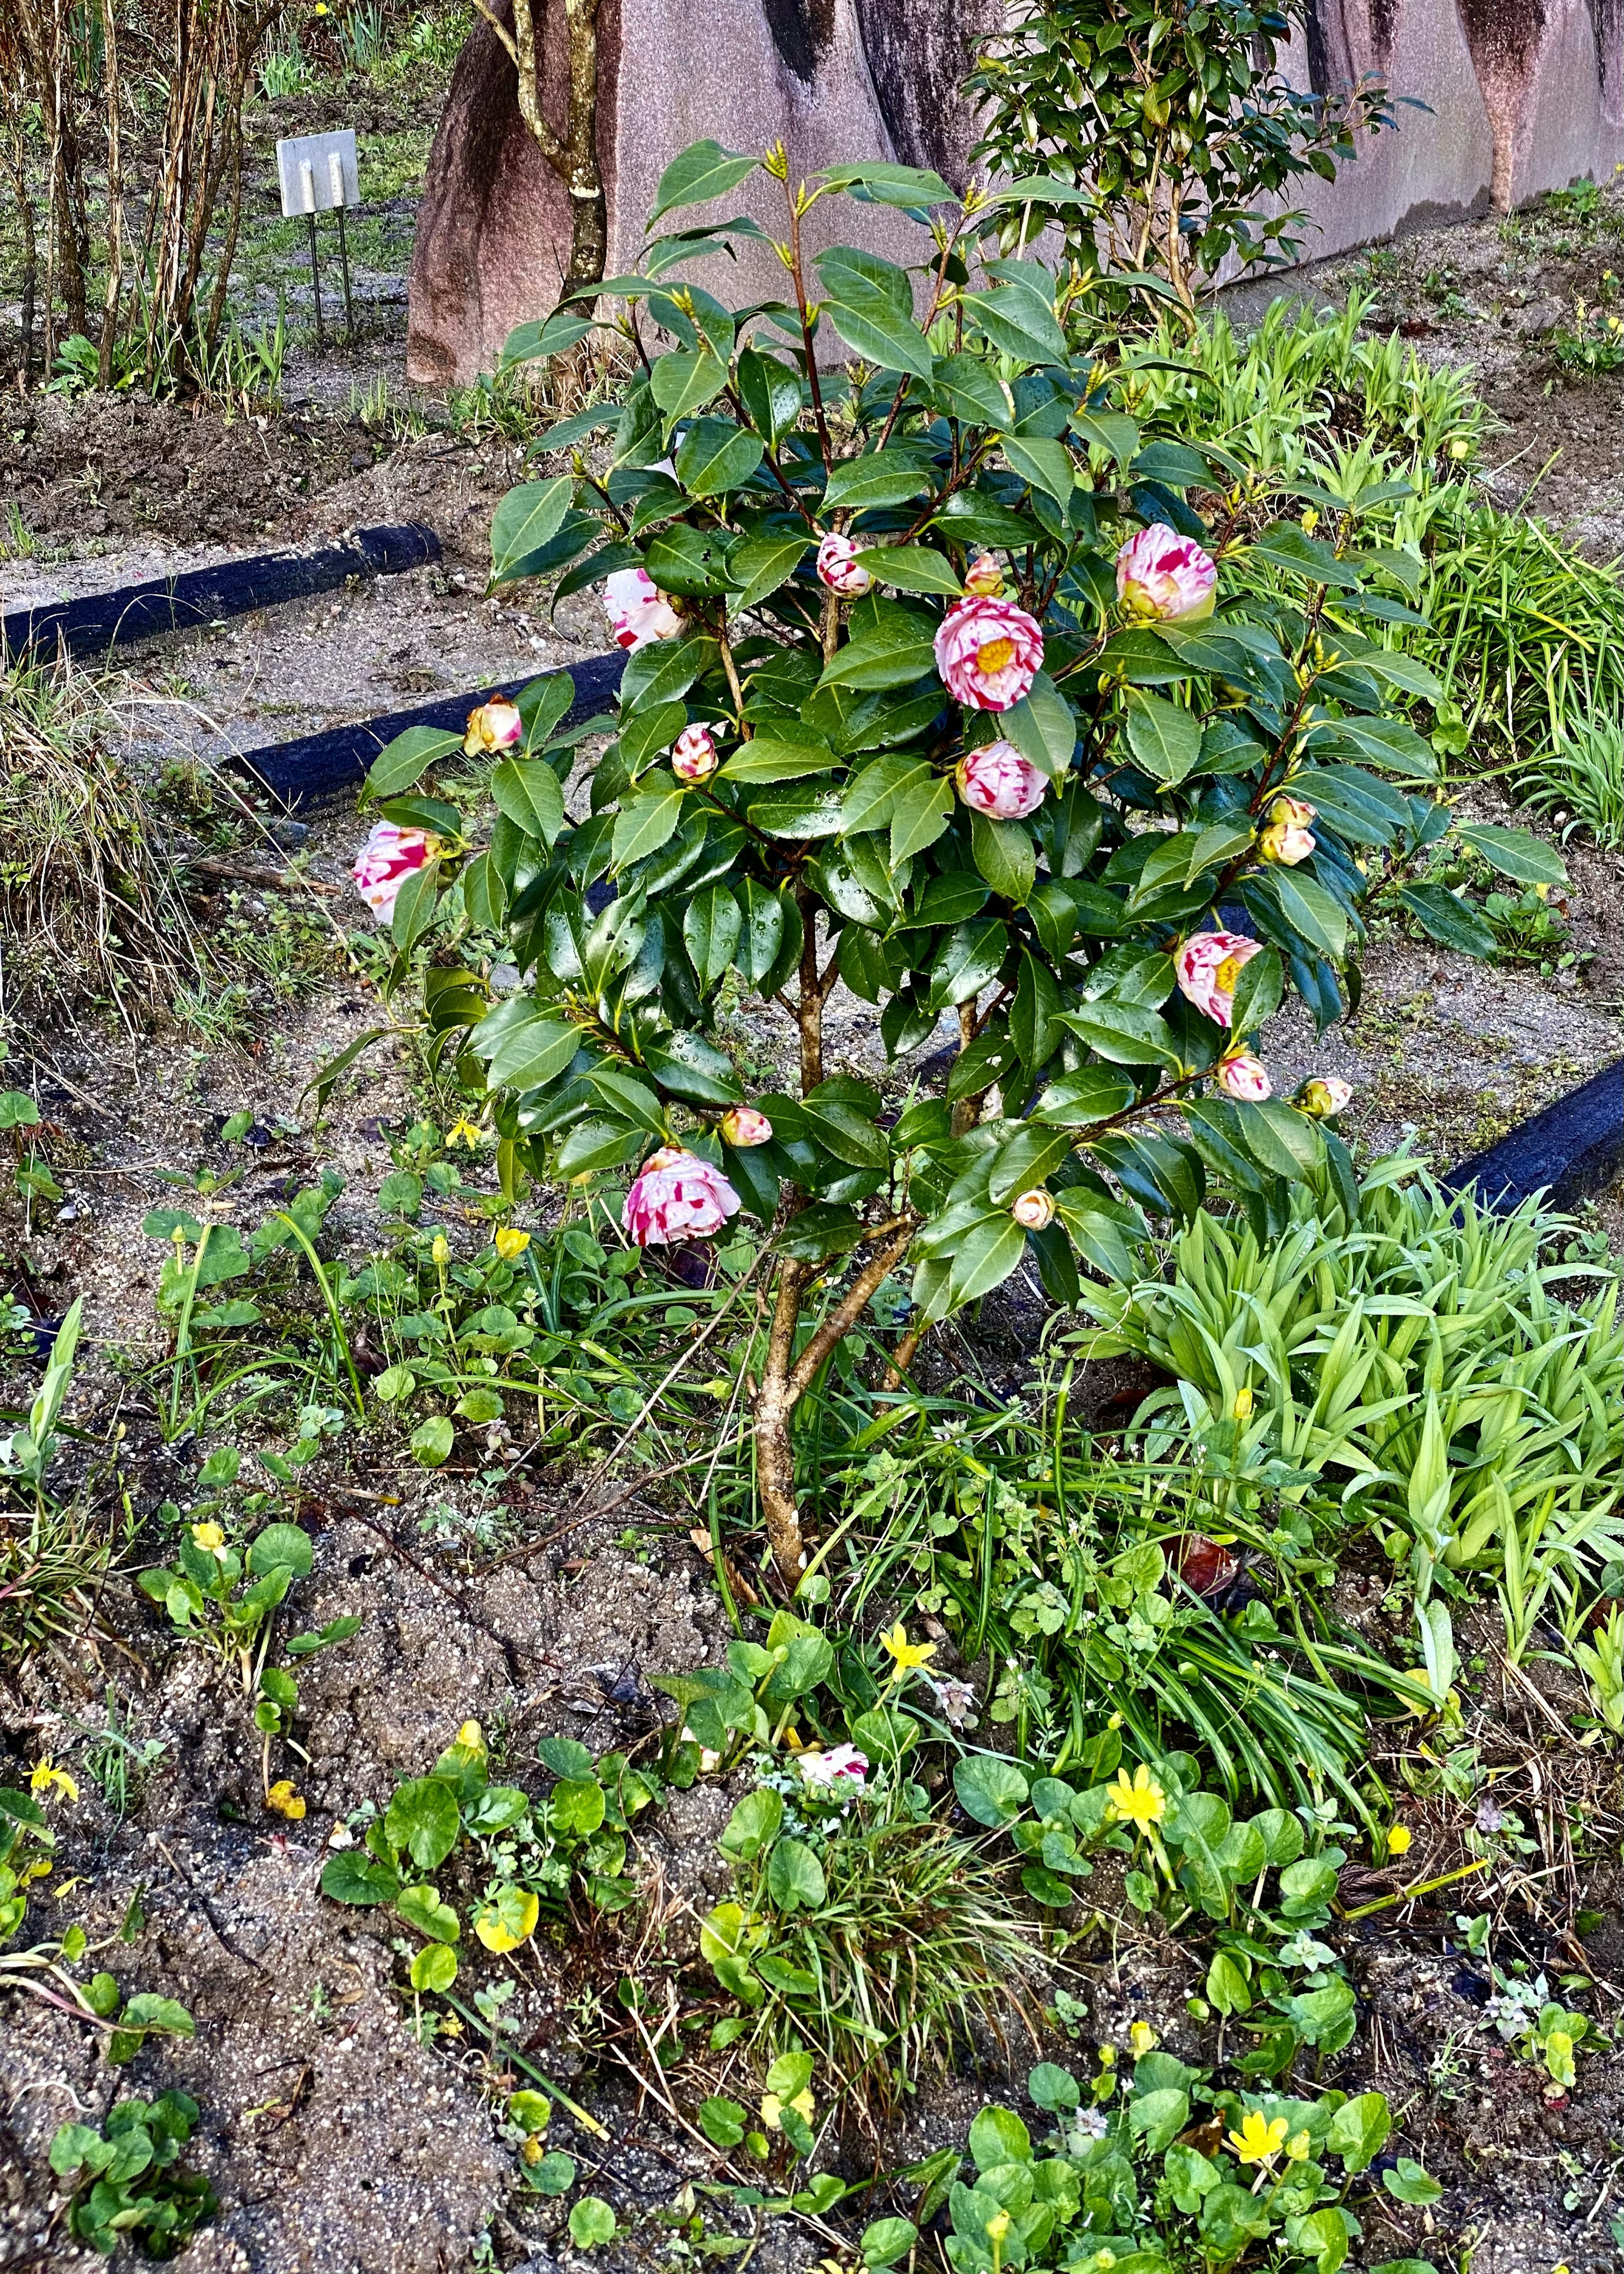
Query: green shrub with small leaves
{"points": [[1176, 128]]}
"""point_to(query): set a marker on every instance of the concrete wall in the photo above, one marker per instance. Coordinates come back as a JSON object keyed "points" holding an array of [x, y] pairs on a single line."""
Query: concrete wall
{"points": [[1524, 96]]}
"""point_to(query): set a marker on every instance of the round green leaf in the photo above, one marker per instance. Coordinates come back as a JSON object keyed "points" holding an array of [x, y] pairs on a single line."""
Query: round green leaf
{"points": [[424, 1819], [431, 1442], [591, 2223]]}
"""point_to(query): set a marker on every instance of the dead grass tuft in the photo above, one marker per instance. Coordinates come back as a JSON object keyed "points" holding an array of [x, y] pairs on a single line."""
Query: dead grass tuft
{"points": [[91, 910]]}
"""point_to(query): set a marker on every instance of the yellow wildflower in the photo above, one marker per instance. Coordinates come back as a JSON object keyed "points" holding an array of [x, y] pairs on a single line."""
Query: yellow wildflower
{"points": [[472, 1735], [1143, 1801], [286, 1802], [1108, 2057], [210, 1539], [773, 2112], [1142, 2038], [905, 1654], [45, 1776], [1242, 1402], [1115, 1722], [441, 1249], [1297, 2147], [1258, 2140], [463, 1132], [510, 1244], [1398, 1840], [998, 2226]]}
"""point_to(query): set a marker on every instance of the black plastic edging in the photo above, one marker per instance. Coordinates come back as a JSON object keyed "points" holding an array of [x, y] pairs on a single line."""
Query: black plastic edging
{"points": [[1569, 1151], [202, 596], [325, 766]]}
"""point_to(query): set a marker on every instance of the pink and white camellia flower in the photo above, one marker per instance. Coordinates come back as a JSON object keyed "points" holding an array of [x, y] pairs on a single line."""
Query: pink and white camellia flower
{"points": [[494, 726], [985, 575], [828, 1771], [1166, 578], [693, 754], [1324, 1095], [1239, 1074], [838, 568], [638, 610], [996, 780], [389, 855], [989, 653], [677, 1196], [1206, 967], [1287, 839], [1034, 1209], [742, 1125]]}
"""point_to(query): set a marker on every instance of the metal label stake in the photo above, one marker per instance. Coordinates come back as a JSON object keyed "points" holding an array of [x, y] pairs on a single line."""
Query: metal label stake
{"points": [[307, 183], [335, 177], [318, 174]]}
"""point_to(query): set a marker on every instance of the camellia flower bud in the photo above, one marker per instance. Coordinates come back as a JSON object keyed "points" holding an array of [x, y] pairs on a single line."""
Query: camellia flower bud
{"points": [[494, 726], [838, 568], [741, 1126], [985, 577], [1206, 967], [1287, 839], [1324, 1096], [996, 780], [693, 755], [989, 653], [1166, 578], [1034, 1209], [1241, 1075], [677, 1196]]}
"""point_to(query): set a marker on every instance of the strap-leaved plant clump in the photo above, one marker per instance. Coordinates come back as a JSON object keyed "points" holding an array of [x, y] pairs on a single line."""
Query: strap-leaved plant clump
{"points": [[938, 688]]}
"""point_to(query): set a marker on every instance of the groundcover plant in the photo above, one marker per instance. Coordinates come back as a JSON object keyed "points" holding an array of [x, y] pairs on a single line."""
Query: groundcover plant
{"points": [[937, 686]]}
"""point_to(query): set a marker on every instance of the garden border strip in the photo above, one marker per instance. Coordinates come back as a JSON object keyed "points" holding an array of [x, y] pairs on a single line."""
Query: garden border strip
{"points": [[1570, 1149], [328, 764], [98, 621]]}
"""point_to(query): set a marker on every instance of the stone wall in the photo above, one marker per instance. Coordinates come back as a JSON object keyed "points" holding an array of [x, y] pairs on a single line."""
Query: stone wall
{"points": [[1522, 96]]}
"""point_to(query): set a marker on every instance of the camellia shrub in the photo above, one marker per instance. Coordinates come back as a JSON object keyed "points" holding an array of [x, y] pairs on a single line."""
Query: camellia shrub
{"points": [[939, 687]]}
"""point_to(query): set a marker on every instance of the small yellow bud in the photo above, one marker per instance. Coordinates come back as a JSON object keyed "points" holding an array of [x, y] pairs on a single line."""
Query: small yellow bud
{"points": [[441, 1249], [1398, 1840], [1297, 2147], [1242, 1402], [1142, 2038]]}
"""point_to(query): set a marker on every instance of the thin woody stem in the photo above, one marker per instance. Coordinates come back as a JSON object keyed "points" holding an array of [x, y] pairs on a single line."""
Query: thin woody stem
{"points": [[848, 1310]]}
